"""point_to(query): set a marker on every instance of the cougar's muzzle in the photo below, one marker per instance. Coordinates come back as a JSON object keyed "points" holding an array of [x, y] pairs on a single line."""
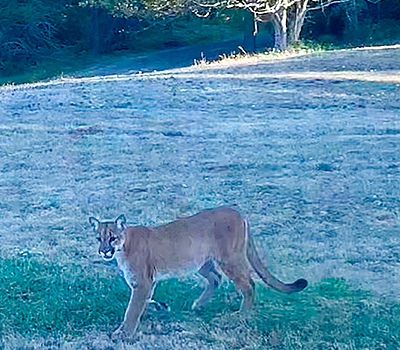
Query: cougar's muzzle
{"points": [[108, 254]]}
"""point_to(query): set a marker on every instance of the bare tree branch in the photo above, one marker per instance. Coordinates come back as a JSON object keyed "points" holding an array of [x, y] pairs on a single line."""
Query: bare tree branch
{"points": [[326, 3]]}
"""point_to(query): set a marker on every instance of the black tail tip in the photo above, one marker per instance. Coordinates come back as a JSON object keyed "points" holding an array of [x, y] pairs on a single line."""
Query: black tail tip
{"points": [[300, 284], [297, 286]]}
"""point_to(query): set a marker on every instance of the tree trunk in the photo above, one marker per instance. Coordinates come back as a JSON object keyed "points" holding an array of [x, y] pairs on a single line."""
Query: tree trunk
{"points": [[250, 31], [296, 20], [279, 23], [351, 24]]}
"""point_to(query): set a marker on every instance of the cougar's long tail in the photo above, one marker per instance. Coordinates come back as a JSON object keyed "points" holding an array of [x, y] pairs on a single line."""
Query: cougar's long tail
{"points": [[262, 271]]}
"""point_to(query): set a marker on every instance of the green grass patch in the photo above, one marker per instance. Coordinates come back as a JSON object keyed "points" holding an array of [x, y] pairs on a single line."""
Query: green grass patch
{"points": [[38, 297], [329, 314]]}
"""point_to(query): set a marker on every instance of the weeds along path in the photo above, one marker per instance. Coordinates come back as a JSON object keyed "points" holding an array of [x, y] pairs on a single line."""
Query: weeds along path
{"points": [[307, 148]]}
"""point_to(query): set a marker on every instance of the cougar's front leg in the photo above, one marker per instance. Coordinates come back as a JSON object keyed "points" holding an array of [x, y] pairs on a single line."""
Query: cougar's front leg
{"points": [[136, 307]]}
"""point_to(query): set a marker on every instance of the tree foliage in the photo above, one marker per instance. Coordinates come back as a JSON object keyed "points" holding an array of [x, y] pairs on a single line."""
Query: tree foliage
{"points": [[28, 32], [287, 16]]}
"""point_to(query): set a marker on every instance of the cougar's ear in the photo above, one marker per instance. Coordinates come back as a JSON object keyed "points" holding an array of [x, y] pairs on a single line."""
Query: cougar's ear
{"points": [[120, 223], [94, 222]]}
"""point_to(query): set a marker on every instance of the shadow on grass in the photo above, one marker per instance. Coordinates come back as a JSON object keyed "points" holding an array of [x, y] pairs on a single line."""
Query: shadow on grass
{"points": [[38, 297]]}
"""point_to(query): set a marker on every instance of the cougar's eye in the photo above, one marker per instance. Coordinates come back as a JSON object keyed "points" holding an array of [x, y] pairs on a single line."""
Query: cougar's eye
{"points": [[98, 238], [112, 239]]}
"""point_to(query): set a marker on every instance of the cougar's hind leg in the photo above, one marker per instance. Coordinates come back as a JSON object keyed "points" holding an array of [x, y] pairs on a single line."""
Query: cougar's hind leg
{"points": [[243, 282], [213, 277]]}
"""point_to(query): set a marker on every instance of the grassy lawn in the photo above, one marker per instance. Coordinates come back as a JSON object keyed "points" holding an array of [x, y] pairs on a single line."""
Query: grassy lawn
{"points": [[316, 174], [50, 299]]}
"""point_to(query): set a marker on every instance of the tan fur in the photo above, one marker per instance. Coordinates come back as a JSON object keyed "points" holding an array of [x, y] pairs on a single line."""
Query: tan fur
{"points": [[210, 241]]}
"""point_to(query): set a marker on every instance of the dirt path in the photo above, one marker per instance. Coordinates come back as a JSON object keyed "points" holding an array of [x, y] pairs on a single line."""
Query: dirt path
{"points": [[170, 59], [162, 60]]}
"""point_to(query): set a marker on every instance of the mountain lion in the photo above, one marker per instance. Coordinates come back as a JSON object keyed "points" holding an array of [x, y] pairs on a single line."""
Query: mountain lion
{"points": [[210, 241]]}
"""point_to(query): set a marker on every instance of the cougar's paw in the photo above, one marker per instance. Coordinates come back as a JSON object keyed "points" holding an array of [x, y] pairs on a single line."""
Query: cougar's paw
{"points": [[122, 334], [118, 334], [198, 304]]}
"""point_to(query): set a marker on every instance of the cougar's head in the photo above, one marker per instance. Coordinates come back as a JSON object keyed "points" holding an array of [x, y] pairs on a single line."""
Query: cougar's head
{"points": [[111, 235]]}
